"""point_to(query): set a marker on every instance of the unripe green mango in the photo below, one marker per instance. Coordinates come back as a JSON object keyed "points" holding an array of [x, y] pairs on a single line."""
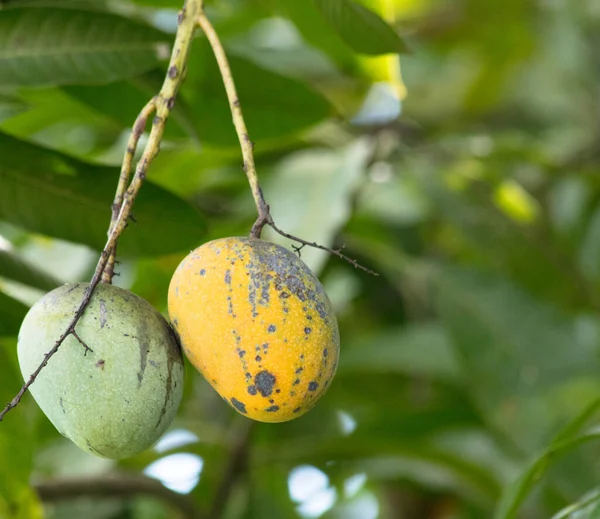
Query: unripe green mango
{"points": [[116, 400]]}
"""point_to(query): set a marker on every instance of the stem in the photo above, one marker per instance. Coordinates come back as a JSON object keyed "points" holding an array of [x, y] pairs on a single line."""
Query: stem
{"points": [[114, 486], [247, 146], [163, 104], [132, 143]]}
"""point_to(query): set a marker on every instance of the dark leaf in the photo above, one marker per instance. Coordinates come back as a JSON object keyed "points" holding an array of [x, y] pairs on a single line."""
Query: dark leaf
{"points": [[42, 46], [274, 106], [14, 267], [12, 313], [362, 29], [50, 193]]}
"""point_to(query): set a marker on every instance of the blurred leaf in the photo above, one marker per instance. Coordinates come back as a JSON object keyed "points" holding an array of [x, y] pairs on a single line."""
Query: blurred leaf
{"points": [[50, 193], [268, 494], [315, 30], [12, 266], [274, 106], [12, 313], [588, 507], [123, 100], [11, 106], [362, 29], [42, 46], [419, 349], [545, 365], [17, 439], [310, 195], [570, 437], [589, 254]]}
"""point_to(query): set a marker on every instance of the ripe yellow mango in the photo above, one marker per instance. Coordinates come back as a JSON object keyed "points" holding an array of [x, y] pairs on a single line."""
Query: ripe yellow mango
{"points": [[257, 323]]}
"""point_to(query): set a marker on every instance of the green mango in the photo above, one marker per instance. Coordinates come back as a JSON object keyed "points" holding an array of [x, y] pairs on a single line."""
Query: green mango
{"points": [[116, 398]]}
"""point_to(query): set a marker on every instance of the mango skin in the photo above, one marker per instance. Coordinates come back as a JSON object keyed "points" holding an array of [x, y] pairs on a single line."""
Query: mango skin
{"points": [[257, 323], [118, 399]]}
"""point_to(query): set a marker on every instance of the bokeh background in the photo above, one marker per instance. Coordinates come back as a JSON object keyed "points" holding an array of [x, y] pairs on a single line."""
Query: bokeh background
{"points": [[469, 373]]}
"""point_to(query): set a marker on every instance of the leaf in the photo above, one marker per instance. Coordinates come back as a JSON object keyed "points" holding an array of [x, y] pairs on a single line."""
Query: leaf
{"points": [[588, 507], [311, 193], [123, 100], [418, 349], [17, 441], [14, 267], [11, 106], [567, 439], [316, 31], [42, 46], [12, 313], [545, 366], [50, 193], [360, 28], [274, 106], [589, 254]]}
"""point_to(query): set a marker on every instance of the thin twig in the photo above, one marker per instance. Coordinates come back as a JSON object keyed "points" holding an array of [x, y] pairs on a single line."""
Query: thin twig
{"points": [[163, 104], [335, 252], [236, 467], [124, 178], [114, 486], [247, 146]]}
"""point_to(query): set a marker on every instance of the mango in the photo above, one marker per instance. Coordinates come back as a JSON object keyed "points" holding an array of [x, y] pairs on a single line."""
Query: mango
{"points": [[257, 323], [116, 399]]}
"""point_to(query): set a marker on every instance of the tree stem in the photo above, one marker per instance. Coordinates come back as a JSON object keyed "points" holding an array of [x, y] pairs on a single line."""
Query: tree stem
{"points": [[247, 146]]}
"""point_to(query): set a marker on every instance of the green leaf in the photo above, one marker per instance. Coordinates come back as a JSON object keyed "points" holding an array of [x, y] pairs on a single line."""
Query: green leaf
{"points": [[50, 193], [12, 313], [14, 267], [588, 507], [316, 31], [421, 349], [11, 106], [17, 440], [274, 106], [546, 366], [41, 46], [123, 100], [360, 28], [570, 437]]}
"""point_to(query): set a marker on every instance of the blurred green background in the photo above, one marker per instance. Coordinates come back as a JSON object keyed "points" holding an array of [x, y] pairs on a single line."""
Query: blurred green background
{"points": [[468, 382]]}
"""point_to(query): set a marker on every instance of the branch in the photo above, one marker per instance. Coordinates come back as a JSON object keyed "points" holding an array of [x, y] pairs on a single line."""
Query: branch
{"points": [[114, 486], [335, 252], [235, 468], [163, 104], [247, 146], [132, 143]]}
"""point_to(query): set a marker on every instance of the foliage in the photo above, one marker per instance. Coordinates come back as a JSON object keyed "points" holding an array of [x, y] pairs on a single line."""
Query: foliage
{"points": [[468, 380]]}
